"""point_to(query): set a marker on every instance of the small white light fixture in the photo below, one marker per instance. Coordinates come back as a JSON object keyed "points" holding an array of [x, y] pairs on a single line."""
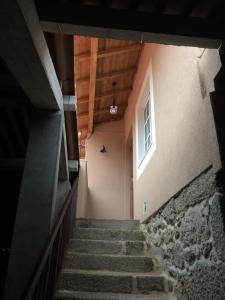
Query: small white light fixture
{"points": [[113, 108]]}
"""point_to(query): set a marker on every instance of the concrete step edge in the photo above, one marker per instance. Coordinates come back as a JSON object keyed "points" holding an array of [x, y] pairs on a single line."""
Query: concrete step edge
{"points": [[108, 229], [69, 252], [107, 220], [113, 282], [114, 263], [108, 241], [112, 296], [113, 273], [108, 234], [107, 246]]}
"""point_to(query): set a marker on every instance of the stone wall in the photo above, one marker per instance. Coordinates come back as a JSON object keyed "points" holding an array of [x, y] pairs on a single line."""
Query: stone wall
{"points": [[189, 233]]}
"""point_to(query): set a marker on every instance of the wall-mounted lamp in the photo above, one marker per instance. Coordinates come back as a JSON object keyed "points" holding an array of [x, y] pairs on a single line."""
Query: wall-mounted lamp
{"points": [[103, 149]]}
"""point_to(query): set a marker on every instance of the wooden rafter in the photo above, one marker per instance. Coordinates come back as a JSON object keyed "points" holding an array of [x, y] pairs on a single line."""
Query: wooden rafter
{"points": [[120, 50], [93, 106], [119, 116], [93, 68], [84, 116], [83, 127], [106, 95], [110, 52], [108, 76]]}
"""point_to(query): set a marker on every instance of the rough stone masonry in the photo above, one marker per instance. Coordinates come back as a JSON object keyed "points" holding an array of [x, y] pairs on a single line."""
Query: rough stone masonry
{"points": [[189, 233]]}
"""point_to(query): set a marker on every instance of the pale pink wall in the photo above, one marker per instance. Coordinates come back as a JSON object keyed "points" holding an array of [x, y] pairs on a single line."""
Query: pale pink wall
{"points": [[106, 172], [185, 135]]}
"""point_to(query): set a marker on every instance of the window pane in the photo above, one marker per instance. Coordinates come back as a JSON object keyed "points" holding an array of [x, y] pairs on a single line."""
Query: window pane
{"points": [[148, 126], [146, 134], [147, 108]]}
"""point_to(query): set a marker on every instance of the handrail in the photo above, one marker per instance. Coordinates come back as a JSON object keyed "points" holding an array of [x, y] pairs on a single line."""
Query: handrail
{"points": [[57, 235]]}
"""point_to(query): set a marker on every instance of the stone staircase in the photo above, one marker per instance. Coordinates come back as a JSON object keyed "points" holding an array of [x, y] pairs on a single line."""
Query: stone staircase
{"points": [[108, 259]]}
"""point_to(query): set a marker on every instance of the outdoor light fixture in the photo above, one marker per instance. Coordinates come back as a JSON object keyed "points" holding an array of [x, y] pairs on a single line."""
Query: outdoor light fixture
{"points": [[113, 108], [103, 149]]}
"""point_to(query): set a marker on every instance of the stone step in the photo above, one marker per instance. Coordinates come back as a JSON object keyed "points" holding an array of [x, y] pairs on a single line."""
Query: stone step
{"points": [[68, 295], [114, 282], [109, 262], [107, 247], [108, 234], [110, 224]]}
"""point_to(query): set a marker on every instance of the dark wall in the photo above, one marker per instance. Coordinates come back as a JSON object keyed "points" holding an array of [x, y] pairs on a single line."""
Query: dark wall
{"points": [[9, 193], [14, 134]]}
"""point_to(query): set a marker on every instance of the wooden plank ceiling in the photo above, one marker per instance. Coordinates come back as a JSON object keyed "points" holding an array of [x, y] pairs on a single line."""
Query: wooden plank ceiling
{"points": [[99, 63]]}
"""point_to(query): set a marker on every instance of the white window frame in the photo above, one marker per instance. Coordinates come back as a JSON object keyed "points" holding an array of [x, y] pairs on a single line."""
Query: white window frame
{"points": [[143, 157]]}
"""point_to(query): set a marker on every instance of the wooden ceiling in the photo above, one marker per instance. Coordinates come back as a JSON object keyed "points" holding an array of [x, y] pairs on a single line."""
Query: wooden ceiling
{"points": [[99, 63]]}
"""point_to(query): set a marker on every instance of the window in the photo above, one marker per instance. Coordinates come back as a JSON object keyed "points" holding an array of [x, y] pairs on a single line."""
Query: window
{"points": [[145, 124], [147, 127]]}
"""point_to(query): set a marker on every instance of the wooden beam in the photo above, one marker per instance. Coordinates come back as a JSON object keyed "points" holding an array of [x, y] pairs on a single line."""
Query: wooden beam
{"points": [[144, 26], [83, 127], [110, 52], [106, 119], [83, 80], [83, 115], [93, 69], [117, 73], [106, 95], [120, 50], [108, 76]]}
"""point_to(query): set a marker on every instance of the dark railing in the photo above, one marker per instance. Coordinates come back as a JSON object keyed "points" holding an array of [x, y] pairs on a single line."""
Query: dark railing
{"points": [[44, 280]]}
